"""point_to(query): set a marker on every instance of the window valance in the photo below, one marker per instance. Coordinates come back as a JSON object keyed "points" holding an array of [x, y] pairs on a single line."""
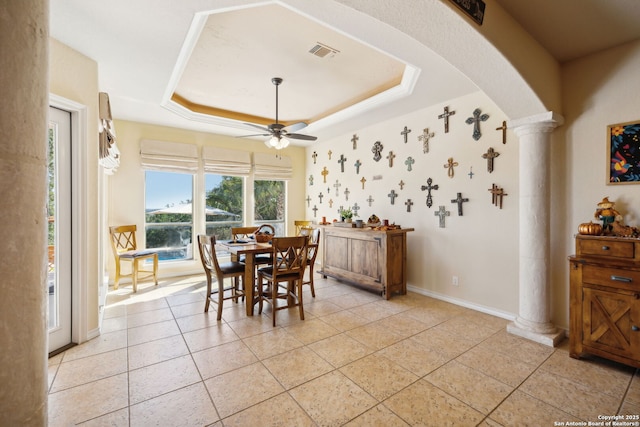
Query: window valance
{"points": [[169, 156], [272, 166], [226, 162]]}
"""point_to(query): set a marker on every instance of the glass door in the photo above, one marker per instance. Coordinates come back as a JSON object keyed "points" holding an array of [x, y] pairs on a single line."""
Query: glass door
{"points": [[59, 229]]}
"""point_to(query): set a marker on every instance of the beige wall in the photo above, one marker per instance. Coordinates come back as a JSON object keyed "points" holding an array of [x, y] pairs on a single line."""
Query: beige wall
{"points": [[126, 186]]}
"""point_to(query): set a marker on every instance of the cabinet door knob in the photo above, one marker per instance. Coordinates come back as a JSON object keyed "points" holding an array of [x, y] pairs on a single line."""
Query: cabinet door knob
{"points": [[605, 248], [634, 328]]}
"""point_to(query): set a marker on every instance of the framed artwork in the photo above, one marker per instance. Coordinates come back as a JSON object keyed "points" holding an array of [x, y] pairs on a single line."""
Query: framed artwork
{"points": [[623, 153]]}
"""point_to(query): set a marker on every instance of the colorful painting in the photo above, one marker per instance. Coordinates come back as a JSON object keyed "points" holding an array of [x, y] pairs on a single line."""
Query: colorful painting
{"points": [[624, 153]]}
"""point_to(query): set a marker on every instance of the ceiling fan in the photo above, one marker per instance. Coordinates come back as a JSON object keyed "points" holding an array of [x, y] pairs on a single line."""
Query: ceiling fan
{"points": [[279, 133]]}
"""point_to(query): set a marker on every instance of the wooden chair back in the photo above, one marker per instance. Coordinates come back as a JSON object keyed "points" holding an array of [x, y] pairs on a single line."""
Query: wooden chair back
{"points": [[289, 257], [123, 239], [299, 226], [243, 233]]}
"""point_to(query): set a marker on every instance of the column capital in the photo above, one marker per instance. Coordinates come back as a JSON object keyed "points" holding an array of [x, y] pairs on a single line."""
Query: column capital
{"points": [[539, 123]]}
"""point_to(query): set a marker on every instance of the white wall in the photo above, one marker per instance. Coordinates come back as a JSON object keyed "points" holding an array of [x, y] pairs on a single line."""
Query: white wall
{"points": [[480, 247]]}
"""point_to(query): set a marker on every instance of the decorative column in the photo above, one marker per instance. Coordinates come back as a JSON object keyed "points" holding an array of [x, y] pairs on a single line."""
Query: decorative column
{"points": [[24, 43], [534, 318]]}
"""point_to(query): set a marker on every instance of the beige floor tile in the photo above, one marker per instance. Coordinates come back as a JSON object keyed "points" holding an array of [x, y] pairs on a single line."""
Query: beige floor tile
{"points": [[187, 407], [237, 390], [378, 376], [113, 324], [197, 321], [472, 387], [90, 369], [190, 309], [112, 419], [506, 369], [279, 411], [633, 394], [423, 404], [430, 317], [403, 324], [352, 300], [332, 399], [629, 408], [249, 326], [340, 349], [134, 307], [414, 357], [223, 358], [461, 328], [88, 401], [442, 342], [321, 307], [311, 330], [272, 343], [520, 409], [378, 416], [152, 352], [52, 370], [569, 396], [152, 332], [113, 309], [518, 348], [149, 317], [344, 320], [486, 320], [155, 380], [373, 337], [216, 334], [372, 311], [101, 344], [186, 298], [296, 367]]}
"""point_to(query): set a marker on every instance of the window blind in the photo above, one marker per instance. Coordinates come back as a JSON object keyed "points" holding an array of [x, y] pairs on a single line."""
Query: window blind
{"points": [[168, 156], [272, 166], [222, 161]]}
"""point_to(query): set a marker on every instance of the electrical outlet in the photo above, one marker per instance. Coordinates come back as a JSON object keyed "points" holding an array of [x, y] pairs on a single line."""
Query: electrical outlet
{"points": [[454, 281]]}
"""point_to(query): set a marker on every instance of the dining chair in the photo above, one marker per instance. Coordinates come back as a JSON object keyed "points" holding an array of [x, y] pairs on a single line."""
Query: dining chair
{"points": [[290, 261], [249, 234], [125, 248], [229, 270], [312, 252], [300, 224]]}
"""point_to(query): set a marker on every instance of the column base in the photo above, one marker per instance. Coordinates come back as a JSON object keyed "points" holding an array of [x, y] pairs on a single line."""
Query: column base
{"points": [[549, 339]]}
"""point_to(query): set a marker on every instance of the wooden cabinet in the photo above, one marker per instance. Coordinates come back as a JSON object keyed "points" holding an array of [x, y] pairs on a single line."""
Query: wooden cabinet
{"points": [[605, 298], [376, 260]]}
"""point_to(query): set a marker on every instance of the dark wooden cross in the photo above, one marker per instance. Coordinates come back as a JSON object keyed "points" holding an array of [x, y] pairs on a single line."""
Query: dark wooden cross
{"points": [[408, 203], [459, 200], [428, 188], [328, 190], [425, 139], [337, 185], [391, 156], [310, 179], [475, 120], [490, 155], [445, 116], [355, 208], [370, 200], [401, 184], [450, 165], [324, 174], [355, 141], [341, 161], [329, 153], [320, 196], [330, 203], [409, 162], [363, 180], [496, 195], [503, 128], [471, 172], [376, 150], [405, 133], [315, 210], [315, 156], [392, 196], [308, 201], [346, 193], [357, 164], [442, 213]]}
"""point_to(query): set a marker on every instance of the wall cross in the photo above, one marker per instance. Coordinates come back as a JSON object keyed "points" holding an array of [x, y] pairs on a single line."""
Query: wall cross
{"points": [[346, 193], [357, 164], [490, 155], [337, 186], [370, 200], [445, 116], [363, 180], [392, 196], [354, 140], [408, 203], [442, 213], [324, 174], [503, 128], [475, 120], [459, 200], [428, 188], [425, 139], [329, 153], [315, 210], [330, 203], [355, 208], [496, 195], [405, 134], [376, 150], [409, 162], [391, 156], [320, 196], [310, 180], [308, 201], [315, 156], [341, 161], [450, 165]]}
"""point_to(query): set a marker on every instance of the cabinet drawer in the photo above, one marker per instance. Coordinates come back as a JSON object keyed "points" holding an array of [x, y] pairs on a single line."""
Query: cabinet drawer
{"points": [[611, 277], [608, 248]]}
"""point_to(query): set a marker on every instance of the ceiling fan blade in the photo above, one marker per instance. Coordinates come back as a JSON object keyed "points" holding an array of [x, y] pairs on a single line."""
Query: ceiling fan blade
{"points": [[256, 134], [295, 127], [262, 128], [300, 136]]}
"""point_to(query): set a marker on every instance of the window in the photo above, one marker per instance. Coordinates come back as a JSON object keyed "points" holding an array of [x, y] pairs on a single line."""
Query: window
{"points": [[169, 214], [223, 204], [269, 197]]}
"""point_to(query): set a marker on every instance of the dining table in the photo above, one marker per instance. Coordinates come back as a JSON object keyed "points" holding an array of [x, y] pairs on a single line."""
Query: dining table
{"points": [[249, 249]]}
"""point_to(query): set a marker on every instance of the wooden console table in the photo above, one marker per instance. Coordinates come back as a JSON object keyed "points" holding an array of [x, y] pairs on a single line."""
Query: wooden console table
{"points": [[372, 259]]}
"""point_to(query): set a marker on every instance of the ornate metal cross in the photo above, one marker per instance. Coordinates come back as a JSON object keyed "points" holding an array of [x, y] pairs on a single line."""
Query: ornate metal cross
{"points": [[408, 203], [459, 200], [496, 195], [315, 156], [337, 185], [310, 179], [445, 116], [341, 161], [405, 133], [391, 156], [320, 196], [376, 150], [315, 210], [392, 196], [354, 140], [355, 208], [442, 213], [450, 165], [503, 128], [329, 153], [324, 174], [475, 120], [490, 155], [363, 180], [370, 200], [346, 193], [308, 201], [425, 139], [401, 184], [429, 187], [357, 164], [409, 162]]}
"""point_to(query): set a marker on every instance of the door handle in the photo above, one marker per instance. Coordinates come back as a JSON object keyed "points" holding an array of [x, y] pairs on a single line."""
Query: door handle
{"points": [[621, 279]]}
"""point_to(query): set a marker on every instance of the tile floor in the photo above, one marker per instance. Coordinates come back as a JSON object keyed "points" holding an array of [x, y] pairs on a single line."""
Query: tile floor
{"points": [[356, 360]]}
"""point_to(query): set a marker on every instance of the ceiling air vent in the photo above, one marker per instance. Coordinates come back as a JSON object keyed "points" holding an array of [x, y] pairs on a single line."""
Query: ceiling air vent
{"points": [[322, 50]]}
